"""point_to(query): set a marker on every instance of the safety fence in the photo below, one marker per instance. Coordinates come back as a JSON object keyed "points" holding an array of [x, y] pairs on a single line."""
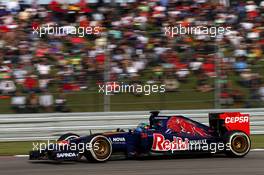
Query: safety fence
{"points": [[27, 127]]}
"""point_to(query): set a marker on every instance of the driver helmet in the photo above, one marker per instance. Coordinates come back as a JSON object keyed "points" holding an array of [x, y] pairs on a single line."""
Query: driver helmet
{"points": [[142, 126]]}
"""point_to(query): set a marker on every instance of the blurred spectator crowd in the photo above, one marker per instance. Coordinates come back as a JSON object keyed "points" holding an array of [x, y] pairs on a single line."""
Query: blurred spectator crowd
{"points": [[132, 37]]}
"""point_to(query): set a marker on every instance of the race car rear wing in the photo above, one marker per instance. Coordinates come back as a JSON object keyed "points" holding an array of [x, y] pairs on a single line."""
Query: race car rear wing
{"points": [[229, 121]]}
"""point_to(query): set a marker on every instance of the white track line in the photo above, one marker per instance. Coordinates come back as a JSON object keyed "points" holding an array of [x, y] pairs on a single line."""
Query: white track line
{"points": [[257, 150], [253, 150], [21, 156]]}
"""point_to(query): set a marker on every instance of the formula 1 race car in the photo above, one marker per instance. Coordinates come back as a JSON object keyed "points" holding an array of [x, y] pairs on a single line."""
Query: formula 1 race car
{"points": [[227, 133]]}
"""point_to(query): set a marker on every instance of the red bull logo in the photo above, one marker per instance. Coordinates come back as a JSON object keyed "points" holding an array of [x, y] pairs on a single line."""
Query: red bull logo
{"points": [[180, 125], [162, 144]]}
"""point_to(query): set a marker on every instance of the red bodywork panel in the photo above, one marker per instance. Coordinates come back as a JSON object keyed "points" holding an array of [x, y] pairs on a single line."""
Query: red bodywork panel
{"points": [[236, 121], [181, 125]]}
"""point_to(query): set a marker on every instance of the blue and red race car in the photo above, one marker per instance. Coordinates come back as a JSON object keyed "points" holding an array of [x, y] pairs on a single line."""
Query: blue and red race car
{"points": [[227, 133]]}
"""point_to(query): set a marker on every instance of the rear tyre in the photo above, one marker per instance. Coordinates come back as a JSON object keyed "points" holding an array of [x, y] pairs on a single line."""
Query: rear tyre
{"points": [[239, 144], [100, 150]]}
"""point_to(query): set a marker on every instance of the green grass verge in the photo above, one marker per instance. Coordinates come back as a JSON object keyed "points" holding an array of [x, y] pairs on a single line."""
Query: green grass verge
{"points": [[21, 148], [17, 148]]}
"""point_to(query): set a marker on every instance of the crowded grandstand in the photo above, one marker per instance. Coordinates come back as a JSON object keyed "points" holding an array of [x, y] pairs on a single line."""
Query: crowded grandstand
{"points": [[127, 43]]}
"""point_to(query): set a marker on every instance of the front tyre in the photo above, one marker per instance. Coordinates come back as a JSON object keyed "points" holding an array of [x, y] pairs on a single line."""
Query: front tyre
{"points": [[101, 149], [68, 136], [239, 144]]}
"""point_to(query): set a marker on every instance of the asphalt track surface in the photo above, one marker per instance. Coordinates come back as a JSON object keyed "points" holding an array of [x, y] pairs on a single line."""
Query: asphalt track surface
{"points": [[252, 164]]}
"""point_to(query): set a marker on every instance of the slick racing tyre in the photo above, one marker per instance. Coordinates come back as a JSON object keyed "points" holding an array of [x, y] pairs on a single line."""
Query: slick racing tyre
{"points": [[101, 149], [68, 136], [239, 144]]}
